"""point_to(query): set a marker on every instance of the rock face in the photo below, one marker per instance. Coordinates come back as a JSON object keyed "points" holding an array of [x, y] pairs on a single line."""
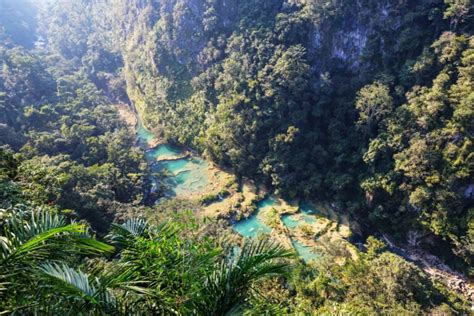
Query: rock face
{"points": [[351, 37], [184, 38], [435, 268]]}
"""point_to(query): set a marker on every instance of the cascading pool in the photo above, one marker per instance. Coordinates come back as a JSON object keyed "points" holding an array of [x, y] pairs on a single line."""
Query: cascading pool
{"points": [[189, 175], [182, 176], [164, 151], [253, 226], [307, 209], [293, 221]]}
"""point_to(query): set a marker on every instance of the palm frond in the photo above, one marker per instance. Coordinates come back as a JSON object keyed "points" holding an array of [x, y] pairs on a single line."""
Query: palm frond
{"points": [[42, 235], [87, 245], [255, 259], [41, 245], [77, 285], [25, 225], [34, 246], [120, 234], [75, 281], [227, 287]]}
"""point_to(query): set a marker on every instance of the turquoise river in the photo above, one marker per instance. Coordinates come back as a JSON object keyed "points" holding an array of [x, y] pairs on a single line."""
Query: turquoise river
{"points": [[186, 174]]}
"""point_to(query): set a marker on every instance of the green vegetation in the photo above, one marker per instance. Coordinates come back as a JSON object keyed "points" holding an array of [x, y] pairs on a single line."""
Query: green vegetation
{"points": [[362, 104], [210, 198], [271, 217], [377, 283], [385, 134], [65, 144], [420, 160], [163, 269], [365, 105]]}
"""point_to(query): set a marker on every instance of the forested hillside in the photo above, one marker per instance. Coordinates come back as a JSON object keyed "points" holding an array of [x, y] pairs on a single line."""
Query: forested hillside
{"points": [[72, 150], [366, 105]]}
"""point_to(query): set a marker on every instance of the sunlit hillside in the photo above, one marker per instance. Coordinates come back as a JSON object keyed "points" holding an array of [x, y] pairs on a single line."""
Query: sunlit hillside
{"points": [[236, 157]]}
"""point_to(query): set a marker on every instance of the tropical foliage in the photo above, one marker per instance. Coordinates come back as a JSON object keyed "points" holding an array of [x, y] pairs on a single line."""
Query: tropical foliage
{"points": [[50, 267], [367, 105]]}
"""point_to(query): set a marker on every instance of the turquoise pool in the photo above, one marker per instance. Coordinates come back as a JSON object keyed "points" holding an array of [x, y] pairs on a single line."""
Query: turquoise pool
{"points": [[184, 176], [305, 251], [292, 221], [253, 226], [145, 137]]}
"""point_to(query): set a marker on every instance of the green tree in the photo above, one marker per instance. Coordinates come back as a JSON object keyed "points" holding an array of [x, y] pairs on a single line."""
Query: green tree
{"points": [[374, 104]]}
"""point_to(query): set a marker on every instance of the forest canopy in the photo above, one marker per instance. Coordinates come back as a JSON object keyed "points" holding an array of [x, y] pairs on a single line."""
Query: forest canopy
{"points": [[367, 106]]}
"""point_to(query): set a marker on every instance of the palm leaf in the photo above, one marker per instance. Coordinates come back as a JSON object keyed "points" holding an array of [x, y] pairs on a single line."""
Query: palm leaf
{"points": [[73, 281], [227, 287], [121, 234], [37, 236], [88, 245], [25, 225], [75, 284]]}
